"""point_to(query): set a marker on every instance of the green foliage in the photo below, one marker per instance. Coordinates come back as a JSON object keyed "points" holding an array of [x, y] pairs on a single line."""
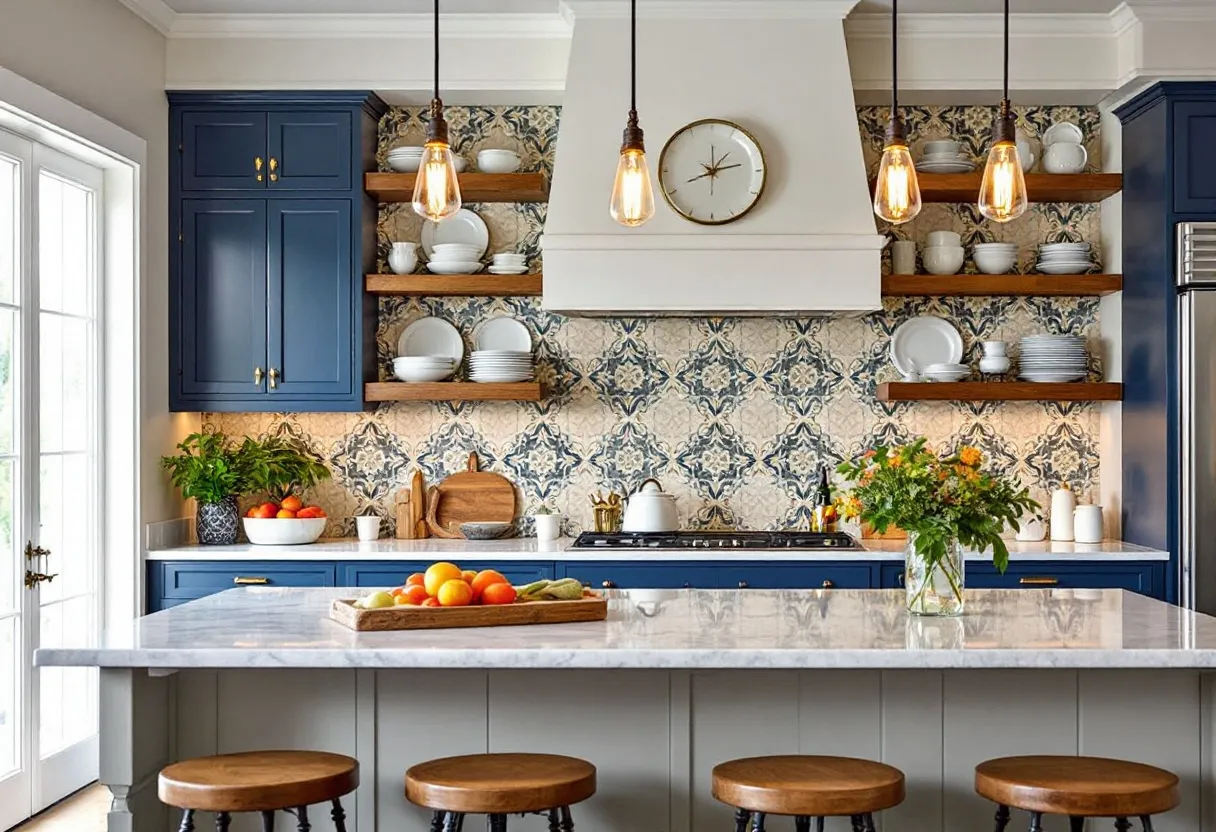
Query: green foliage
{"points": [[936, 498], [207, 469], [279, 467]]}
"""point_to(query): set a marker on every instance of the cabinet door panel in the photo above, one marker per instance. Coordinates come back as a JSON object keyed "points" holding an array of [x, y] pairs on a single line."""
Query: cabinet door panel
{"points": [[394, 573], [219, 150], [311, 297], [797, 576], [221, 306], [629, 575], [1144, 578], [1194, 162], [312, 151]]}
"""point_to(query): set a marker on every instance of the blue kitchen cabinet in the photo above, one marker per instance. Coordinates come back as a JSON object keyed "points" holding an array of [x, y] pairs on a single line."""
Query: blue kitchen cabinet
{"points": [[719, 575], [220, 150], [1194, 161], [394, 573], [173, 582], [815, 575], [1146, 578], [633, 575], [267, 310]]}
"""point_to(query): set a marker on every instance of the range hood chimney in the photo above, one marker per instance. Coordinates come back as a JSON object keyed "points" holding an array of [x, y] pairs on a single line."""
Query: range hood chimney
{"points": [[778, 68]]}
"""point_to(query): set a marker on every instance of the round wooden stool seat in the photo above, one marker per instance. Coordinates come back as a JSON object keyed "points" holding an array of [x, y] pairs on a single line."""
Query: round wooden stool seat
{"points": [[258, 781], [808, 786], [1080, 786], [498, 784]]}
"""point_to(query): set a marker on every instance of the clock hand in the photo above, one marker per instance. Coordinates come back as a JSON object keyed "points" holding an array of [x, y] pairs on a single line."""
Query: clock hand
{"points": [[728, 167], [723, 159], [702, 176]]}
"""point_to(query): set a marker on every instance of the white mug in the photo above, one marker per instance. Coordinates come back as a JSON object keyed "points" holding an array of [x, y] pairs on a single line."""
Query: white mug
{"points": [[403, 258], [1087, 525], [548, 526], [369, 527], [903, 257], [1064, 157]]}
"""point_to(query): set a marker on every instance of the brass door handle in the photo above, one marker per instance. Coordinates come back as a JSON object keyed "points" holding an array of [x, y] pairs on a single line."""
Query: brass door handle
{"points": [[257, 376], [274, 166], [257, 165], [274, 378], [743, 584], [828, 584], [254, 581], [1039, 581], [609, 584], [34, 555]]}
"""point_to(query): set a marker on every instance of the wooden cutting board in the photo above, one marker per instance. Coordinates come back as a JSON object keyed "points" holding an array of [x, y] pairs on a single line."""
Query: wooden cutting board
{"points": [[434, 618], [472, 496], [411, 511]]}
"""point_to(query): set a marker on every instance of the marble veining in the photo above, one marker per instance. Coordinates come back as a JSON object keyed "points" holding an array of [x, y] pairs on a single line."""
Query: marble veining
{"points": [[263, 627]]}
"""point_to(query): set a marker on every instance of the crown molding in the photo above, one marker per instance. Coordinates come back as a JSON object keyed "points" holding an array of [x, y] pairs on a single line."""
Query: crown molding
{"points": [[1169, 11], [359, 26], [870, 25], [712, 9], [156, 13]]}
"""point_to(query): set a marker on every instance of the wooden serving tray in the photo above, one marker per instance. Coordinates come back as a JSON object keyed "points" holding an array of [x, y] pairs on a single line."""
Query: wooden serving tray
{"points": [[346, 613]]}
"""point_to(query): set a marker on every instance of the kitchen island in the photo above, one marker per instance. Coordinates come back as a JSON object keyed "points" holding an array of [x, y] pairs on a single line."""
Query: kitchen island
{"points": [[672, 683]]}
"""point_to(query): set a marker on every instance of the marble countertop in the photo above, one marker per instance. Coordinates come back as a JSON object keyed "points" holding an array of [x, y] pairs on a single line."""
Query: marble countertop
{"points": [[532, 549], [267, 627]]}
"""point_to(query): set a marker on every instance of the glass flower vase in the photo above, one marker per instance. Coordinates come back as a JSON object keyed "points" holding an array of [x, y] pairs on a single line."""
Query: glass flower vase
{"points": [[933, 588]]}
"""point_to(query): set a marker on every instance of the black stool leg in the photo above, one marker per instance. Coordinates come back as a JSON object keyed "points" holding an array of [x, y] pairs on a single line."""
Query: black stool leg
{"points": [[855, 822], [867, 822], [302, 818], [187, 821], [1036, 822], [267, 821], [1076, 824], [1123, 824], [221, 822], [498, 823], [339, 816], [452, 821], [802, 824], [437, 822], [757, 821], [742, 816], [1002, 818], [1146, 823], [567, 824]]}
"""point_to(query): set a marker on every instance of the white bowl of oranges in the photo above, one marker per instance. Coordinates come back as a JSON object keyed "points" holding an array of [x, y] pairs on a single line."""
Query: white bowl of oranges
{"points": [[289, 523]]}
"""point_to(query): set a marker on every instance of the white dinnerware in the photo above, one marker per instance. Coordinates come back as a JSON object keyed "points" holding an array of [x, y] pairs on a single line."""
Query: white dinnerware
{"points": [[508, 263], [1064, 268], [995, 348], [403, 258], [431, 337], [943, 260], [1065, 158], [405, 369], [502, 334], [1063, 132], [1025, 154], [548, 526], [944, 238], [1052, 358], [452, 267], [463, 227], [944, 156], [946, 372], [941, 146], [1064, 258], [274, 531], [994, 259], [925, 340], [498, 161], [994, 365]]}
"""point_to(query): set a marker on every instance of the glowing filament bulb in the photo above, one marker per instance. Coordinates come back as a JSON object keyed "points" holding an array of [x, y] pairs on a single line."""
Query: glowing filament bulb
{"points": [[897, 192]]}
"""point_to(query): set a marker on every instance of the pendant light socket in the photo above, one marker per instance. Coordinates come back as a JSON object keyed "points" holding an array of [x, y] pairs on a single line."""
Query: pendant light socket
{"points": [[1003, 128], [634, 137], [896, 132], [437, 127]]}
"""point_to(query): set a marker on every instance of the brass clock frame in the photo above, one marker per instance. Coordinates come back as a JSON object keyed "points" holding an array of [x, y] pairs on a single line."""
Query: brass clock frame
{"points": [[734, 126]]}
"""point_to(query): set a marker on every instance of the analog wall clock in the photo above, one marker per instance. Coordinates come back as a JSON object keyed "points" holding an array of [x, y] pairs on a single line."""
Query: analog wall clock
{"points": [[712, 172]]}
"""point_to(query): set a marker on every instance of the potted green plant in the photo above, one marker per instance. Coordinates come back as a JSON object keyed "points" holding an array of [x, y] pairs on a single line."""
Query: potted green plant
{"points": [[946, 503], [279, 467], [208, 471]]}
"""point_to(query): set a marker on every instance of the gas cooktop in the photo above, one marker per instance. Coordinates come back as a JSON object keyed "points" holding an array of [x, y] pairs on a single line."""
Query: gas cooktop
{"points": [[716, 540]]}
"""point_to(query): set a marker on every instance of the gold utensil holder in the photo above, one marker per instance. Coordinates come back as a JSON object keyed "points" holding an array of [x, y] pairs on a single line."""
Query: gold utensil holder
{"points": [[607, 519]]}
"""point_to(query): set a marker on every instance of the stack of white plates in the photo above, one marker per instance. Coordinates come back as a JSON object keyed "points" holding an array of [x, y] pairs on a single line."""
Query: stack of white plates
{"points": [[1064, 258], [408, 159], [946, 372], [1052, 358], [503, 352], [454, 258], [944, 156], [424, 368], [508, 263]]}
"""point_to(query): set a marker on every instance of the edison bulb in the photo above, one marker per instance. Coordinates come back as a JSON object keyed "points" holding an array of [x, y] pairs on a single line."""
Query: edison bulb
{"points": [[436, 191], [1003, 190], [632, 194], [897, 192]]}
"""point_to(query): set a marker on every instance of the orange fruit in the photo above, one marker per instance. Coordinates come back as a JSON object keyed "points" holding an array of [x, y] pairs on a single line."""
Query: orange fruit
{"points": [[417, 579], [308, 512], [485, 578], [468, 575], [292, 503], [438, 574], [430, 602], [266, 511], [404, 600], [502, 593], [396, 592], [455, 593], [286, 514], [253, 512], [416, 593]]}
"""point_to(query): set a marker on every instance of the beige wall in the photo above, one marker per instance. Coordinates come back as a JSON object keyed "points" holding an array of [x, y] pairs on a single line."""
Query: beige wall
{"points": [[100, 56]]}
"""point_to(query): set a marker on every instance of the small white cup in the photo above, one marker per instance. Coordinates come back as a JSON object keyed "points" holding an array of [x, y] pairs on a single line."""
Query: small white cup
{"points": [[403, 258], [548, 526], [368, 527], [995, 349], [1087, 522], [903, 257]]}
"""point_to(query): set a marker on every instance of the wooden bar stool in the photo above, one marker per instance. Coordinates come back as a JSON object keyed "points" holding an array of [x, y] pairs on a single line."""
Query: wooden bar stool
{"points": [[807, 787], [498, 785], [259, 781], [1079, 787]]}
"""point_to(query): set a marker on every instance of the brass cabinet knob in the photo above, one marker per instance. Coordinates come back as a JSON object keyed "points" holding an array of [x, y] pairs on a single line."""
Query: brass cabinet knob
{"points": [[900, 579], [828, 584], [257, 376], [274, 378], [609, 584], [743, 584], [1039, 581], [254, 581], [257, 165], [274, 166]]}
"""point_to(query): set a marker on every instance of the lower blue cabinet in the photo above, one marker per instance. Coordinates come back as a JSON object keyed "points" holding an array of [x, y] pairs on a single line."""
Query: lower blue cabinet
{"points": [[171, 583], [394, 573], [1146, 578], [720, 575]]}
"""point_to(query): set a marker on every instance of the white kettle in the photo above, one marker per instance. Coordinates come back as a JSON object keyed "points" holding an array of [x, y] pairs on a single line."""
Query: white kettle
{"points": [[650, 510]]}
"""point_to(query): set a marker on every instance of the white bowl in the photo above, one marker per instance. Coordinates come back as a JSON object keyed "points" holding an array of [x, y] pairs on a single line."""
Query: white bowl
{"points": [[994, 262], [942, 260], [405, 164], [498, 161], [285, 532], [456, 248], [1064, 268], [957, 375], [944, 238], [422, 374], [452, 267], [941, 146], [996, 246], [423, 361]]}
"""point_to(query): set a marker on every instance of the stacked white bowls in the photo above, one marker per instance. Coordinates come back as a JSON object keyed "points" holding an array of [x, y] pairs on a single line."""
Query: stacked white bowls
{"points": [[944, 254], [946, 372], [498, 161], [424, 368], [508, 263], [1063, 151], [994, 258], [944, 156], [1064, 258], [408, 159], [454, 258]]}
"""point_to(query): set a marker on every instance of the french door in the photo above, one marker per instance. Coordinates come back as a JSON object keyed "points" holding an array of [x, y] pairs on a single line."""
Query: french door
{"points": [[50, 501]]}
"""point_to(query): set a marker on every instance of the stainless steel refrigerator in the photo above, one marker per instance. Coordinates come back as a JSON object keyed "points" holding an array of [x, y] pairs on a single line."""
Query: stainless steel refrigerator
{"points": [[1196, 277]]}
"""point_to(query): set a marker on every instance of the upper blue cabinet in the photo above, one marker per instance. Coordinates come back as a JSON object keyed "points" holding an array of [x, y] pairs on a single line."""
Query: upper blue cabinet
{"points": [[271, 235], [1194, 162]]}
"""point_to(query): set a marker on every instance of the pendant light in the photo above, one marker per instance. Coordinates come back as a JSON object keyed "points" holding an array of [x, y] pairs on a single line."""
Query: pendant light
{"points": [[896, 192], [436, 191], [632, 194], [1003, 189]]}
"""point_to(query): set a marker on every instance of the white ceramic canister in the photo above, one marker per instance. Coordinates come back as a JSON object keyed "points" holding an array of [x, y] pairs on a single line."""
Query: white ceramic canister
{"points": [[1088, 524], [1063, 504], [903, 257]]}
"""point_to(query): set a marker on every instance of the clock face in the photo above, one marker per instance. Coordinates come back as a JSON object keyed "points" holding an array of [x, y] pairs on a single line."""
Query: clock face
{"points": [[712, 172]]}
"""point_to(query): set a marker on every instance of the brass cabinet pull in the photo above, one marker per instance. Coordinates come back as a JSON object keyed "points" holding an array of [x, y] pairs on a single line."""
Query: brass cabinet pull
{"points": [[257, 376], [1029, 581], [828, 584], [34, 556], [901, 579], [743, 584], [257, 165], [609, 584], [254, 581], [274, 166], [274, 378]]}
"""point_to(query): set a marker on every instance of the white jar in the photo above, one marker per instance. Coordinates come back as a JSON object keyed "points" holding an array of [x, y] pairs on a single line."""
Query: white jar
{"points": [[1063, 504], [995, 349], [403, 258], [1087, 524], [994, 365]]}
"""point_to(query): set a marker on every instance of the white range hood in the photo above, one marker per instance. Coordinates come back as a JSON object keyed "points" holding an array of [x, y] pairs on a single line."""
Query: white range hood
{"points": [[776, 67]]}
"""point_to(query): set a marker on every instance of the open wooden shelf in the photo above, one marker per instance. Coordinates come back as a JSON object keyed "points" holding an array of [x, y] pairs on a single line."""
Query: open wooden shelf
{"points": [[999, 391], [474, 187], [455, 285], [1005, 285], [451, 391], [1040, 187]]}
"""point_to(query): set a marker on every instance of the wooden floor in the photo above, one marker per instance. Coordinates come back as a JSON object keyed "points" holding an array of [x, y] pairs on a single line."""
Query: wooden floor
{"points": [[84, 811]]}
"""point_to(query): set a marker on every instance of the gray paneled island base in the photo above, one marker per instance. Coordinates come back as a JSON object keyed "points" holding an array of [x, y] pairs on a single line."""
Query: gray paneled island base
{"points": [[672, 684]]}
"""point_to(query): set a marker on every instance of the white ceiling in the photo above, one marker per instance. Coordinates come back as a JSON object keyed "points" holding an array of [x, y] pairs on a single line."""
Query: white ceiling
{"points": [[551, 6]]}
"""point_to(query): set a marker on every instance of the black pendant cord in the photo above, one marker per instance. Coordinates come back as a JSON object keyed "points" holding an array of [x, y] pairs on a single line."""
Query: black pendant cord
{"points": [[633, 56], [894, 60], [1006, 50], [436, 49]]}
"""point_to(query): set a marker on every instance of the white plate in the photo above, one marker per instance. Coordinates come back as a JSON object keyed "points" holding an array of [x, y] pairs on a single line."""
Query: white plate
{"points": [[1064, 268], [431, 336], [502, 333], [462, 227], [498, 270], [925, 340], [1051, 378], [946, 167], [1064, 131], [453, 268]]}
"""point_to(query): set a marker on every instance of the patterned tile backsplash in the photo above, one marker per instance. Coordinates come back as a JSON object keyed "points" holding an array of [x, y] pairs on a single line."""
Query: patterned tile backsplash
{"points": [[734, 416]]}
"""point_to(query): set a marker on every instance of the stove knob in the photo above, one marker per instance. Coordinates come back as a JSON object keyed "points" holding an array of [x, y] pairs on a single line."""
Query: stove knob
{"points": [[743, 584], [609, 584], [721, 543], [828, 584]]}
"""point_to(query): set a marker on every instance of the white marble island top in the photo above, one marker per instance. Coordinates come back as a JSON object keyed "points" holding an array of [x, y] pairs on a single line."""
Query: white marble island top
{"points": [[266, 627]]}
